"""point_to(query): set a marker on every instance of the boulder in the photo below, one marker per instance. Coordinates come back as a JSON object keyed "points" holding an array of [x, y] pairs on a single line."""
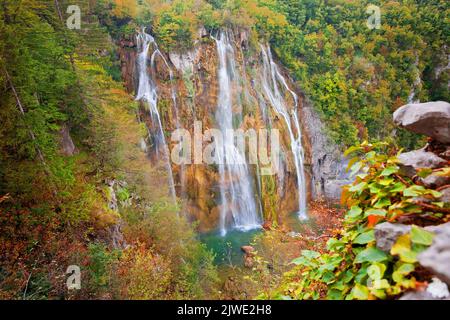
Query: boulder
{"points": [[431, 119], [436, 290], [434, 181], [248, 250], [445, 195], [436, 258], [249, 261], [445, 154], [418, 159], [386, 234]]}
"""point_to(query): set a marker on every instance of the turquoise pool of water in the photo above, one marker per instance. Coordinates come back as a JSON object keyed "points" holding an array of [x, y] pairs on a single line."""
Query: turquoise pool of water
{"points": [[227, 249]]}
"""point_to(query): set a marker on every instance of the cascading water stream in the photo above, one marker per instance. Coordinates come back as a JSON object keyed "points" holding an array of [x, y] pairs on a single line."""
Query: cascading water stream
{"points": [[235, 181], [271, 80], [147, 92]]}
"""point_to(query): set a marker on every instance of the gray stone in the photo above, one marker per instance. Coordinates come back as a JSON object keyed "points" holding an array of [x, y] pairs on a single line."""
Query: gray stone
{"points": [[333, 188], [436, 258], [419, 295], [445, 154], [435, 181], [418, 159], [328, 166], [445, 195], [441, 228], [386, 234], [431, 119], [67, 146]]}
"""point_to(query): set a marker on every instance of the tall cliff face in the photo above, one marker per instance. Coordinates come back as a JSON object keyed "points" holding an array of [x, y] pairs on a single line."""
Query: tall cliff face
{"points": [[262, 97]]}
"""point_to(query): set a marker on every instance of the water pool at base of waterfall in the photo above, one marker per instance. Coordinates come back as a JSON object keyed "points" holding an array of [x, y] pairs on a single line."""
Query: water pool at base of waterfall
{"points": [[296, 224], [227, 248]]}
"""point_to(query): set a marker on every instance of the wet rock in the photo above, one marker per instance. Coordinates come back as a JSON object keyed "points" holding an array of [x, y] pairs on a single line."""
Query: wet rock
{"points": [[248, 249], [249, 261], [202, 32], [267, 225], [431, 119], [414, 160], [436, 258], [386, 234]]}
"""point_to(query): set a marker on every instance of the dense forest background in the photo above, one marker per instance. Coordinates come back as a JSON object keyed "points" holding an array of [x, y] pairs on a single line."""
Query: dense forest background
{"points": [[55, 209]]}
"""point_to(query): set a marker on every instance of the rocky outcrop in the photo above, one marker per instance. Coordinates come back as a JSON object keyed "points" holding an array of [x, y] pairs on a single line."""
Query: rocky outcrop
{"points": [[436, 258], [66, 143], [431, 119], [328, 167]]}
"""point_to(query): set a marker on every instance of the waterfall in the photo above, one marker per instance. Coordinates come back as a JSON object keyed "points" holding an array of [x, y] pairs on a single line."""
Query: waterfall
{"points": [[147, 92], [236, 189], [271, 80]]}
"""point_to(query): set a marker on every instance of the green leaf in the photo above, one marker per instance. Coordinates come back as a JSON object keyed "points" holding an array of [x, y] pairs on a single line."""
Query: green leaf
{"points": [[360, 292], [400, 272], [398, 187], [371, 254], [434, 193], [352, 150], [365, 237], [375, 187], [328, 277], [381, 284], [310, 254], [354, 212], [334, 244], [414, 191], [358, 188], [383, 202], [376, 271], [421, 236], [424, 172], [389, 170], [402, 247], [356, 168], [375, 212], [334, 294], [386, 182]]}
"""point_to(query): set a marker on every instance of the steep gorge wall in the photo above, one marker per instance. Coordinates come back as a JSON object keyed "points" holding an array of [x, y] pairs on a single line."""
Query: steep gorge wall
{"points": [[195, 80]]}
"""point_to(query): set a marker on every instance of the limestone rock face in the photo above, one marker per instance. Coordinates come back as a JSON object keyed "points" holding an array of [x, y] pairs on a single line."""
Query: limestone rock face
{"points": [[417, 159], [437, 257], [328, 166], [333, 188], [67, 146], [431, 119]]}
